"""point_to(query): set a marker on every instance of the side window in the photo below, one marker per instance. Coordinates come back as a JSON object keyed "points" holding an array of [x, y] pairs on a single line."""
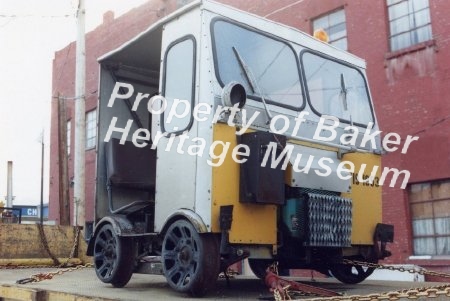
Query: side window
{"points": [[179, 85]]}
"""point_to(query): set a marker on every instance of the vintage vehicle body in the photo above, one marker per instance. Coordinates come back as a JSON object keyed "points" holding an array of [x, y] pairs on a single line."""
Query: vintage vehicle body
{"points": [[225, 136]]}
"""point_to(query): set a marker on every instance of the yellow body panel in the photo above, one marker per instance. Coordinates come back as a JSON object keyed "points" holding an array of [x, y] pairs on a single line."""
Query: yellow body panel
{"points": [[252, 223], [367, 203]]}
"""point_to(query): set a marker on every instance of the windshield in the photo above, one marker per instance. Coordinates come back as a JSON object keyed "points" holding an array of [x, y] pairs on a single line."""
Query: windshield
{"points": [[272, 62], [336, 89]]}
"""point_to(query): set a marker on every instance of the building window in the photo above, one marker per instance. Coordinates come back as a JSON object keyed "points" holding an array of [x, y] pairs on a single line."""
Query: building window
{"points": [[91, 129], [430, 213], [335, 26], [68, 136], [409, 22]]}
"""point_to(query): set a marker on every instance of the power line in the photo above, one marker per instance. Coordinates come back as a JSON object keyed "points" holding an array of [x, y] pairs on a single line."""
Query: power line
{"points": [[6, 23], [432, 125], [283, 8], [35, 16], [64, 65]]}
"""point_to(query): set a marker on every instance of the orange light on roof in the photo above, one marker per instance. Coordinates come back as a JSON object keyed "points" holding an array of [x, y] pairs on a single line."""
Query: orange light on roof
{"points": [[321, 35]]}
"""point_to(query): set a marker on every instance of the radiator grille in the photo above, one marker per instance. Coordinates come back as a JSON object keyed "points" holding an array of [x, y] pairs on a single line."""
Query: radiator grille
{"points": [[329, 220]]}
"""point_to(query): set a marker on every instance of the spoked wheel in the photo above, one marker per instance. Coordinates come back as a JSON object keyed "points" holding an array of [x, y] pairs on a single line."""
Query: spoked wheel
{"points": [[350, 274], [191, 261], [113, 257]]}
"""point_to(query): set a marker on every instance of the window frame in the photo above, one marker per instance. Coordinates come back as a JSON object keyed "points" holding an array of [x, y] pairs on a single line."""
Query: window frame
{"points": [[313, 109], [433, 218], [411, 30], [68, 135], [194, 72], [94, 138], [268, 35], [342, 8]]}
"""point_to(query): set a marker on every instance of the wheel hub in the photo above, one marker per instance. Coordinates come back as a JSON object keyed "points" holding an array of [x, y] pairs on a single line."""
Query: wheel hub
{"points": [[185, 256], [109, 251]]}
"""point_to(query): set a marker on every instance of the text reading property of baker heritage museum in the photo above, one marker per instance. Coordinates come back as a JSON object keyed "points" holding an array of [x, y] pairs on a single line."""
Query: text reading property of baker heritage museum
{"points": [[217, 150]]}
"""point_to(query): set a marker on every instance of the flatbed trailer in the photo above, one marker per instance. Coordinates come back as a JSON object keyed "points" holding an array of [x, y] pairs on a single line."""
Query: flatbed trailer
{"points": [[82, 285]]}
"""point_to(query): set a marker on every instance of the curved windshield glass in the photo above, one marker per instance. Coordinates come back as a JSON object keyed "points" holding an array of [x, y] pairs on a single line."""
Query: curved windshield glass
{"points": [[272, 64], [336, 89]]}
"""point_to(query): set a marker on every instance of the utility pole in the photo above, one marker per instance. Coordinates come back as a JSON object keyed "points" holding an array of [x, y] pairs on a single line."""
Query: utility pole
{"points": [[9, 196], [80, 132], [42, 178], [64, 204]]}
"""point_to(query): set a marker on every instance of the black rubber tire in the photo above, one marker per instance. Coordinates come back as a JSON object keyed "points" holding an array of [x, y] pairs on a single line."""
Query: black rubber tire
{"points": [[259, 267], [113, 257], [350, 274], [191, 261]]}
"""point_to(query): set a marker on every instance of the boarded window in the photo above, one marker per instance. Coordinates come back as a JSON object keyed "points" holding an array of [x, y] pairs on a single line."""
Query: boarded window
{"points": [[430, 212]]}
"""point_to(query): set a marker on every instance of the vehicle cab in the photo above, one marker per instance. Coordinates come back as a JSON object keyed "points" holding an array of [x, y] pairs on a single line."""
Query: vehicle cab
{"points": [[224, 136]]}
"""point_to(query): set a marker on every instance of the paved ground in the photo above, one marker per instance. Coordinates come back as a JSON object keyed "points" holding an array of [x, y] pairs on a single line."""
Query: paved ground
{"points": [[150, 287]]}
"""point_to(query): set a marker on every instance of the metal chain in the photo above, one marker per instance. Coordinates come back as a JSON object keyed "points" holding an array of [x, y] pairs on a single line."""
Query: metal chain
{"points": [[229, 273], [392, 268], [74, 247], [45, 244], [10, 266], [290, 289], [413, 293], [45, 276], [277, 295]]}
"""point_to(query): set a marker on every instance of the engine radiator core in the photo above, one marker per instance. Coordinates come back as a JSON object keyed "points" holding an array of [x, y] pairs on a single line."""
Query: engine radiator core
{"points": [[329, 221]]}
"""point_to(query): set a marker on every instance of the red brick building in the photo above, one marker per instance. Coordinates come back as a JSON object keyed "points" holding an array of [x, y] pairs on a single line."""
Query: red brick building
{"points": [[406, 44]]}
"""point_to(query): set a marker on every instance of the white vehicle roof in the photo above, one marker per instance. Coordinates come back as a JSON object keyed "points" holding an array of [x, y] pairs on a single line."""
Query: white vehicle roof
{"points": [[135, 47]]}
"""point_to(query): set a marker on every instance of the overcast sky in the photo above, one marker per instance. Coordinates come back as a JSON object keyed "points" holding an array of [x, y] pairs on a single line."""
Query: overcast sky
{"points": [[30, 33]]}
